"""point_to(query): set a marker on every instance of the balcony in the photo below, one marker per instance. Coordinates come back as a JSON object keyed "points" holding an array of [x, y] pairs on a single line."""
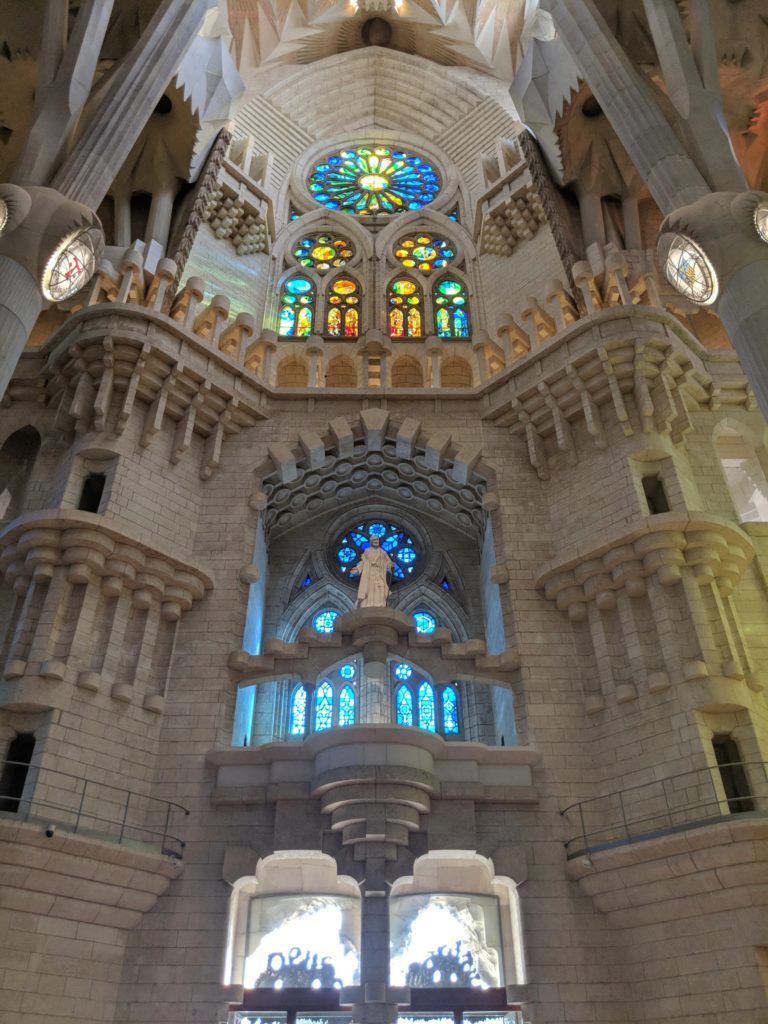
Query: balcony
{"points": [[91, 809]]}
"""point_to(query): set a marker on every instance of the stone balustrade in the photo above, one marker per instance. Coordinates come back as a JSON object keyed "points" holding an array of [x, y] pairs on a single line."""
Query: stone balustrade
{"points": [[82, 586]]}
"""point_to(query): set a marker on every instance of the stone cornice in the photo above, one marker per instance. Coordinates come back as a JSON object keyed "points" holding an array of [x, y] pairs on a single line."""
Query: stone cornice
{"points": [[713, 548], [91, 546]]}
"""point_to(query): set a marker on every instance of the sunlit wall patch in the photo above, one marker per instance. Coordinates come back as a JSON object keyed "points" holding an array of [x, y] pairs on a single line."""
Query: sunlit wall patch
{"points": [[370, 180]]}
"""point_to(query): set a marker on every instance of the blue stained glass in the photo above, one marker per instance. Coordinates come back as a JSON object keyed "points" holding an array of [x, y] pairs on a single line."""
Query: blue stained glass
{"points": [[404, 706], [425, 623], [450, 711], [323, 706], [347, 671], [347, 706], [445, 584], [400, 547], [403, 672], [398, 573], [347, 555], [323, 621], [359, 538], [427, 707], [377, 530], [373, 180], [306, 582], [392, 541], [406, 556], [298, 724]]}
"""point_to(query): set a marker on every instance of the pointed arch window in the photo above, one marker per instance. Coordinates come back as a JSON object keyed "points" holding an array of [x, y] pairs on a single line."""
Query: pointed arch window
{"points": [[420, 703], [343, 303], [297, 307], [297, 725], [451, 309], [406, 308], [347, 706], [323, 706]]}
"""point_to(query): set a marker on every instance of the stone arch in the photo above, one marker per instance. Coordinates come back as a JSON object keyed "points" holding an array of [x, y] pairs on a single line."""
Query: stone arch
{"points": [[17, 460], [407, 372], [292, 372], [341, 373], [455, 372], [429, 471]]}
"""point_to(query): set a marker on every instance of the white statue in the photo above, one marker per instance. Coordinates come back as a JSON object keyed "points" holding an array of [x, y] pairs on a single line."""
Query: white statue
{"points": [[373, 589]]}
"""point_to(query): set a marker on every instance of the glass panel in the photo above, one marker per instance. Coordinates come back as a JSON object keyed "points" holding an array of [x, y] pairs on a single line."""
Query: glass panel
{"points": [[298, 723], [427, 707], [304, 322], [425, 623], [404, 706], [445, 940], [334, 321], [373, 180], [323, 706], [414, 323], [351, 322], [323, 621], [450, 701], [347, 706], [302, 941]]}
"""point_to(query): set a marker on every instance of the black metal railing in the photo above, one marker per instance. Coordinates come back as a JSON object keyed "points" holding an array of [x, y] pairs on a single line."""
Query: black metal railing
{"points": [[90, 808], [686, 800]]}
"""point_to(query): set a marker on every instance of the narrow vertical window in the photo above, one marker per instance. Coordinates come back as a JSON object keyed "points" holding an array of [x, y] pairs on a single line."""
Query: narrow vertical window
{"points": [[406, 318], [404, 705], [347, 706], [450, 708], [15, 769], [343, 319], [90, 495], [298, 717], [296, 307], [323, 706], [732, 774], [427, 707], [451, 316]]}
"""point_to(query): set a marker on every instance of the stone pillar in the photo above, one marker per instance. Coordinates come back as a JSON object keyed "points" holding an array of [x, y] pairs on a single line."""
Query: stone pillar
{"points": [[20, 305], [375, 701]]}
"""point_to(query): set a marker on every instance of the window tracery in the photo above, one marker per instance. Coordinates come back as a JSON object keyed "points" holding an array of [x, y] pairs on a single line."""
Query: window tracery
{"points": [[324, 252], [343, 313], [451, 316], [297, 302], [399, 545], [373, 180], [324, 620], [424, 252], [405, 309], [419, 703]]}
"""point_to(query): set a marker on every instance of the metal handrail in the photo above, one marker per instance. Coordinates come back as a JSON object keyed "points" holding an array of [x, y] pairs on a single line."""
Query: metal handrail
{"points": [[618, 832], [27, 802]]}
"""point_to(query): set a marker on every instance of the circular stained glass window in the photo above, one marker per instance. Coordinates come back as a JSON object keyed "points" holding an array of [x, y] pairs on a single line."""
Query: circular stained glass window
{"points": [[347, 671], [374, 179], [425, 623], [689, 270], [424, 252], [71, 265], [324, 252], [401, 548], [324, 620], [761, 221], [403, 672]]}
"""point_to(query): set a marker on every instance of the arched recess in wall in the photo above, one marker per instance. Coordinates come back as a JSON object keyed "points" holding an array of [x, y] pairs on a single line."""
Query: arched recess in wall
{"points": [[334, 473], [294, 899], [292, 372], [407, 372], [455, 896], [744, 462], [17, 459], [341, 372], [455, 372]]}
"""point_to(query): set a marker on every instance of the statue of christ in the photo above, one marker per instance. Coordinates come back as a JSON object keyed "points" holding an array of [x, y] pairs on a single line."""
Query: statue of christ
{"points": [[373, 589]]}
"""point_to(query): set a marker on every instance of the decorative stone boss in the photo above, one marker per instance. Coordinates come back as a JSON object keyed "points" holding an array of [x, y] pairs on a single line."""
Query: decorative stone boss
{"points": [[373, 569]]}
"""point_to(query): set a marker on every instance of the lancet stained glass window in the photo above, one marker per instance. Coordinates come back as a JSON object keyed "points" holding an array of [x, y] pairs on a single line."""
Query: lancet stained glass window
{"points": [[374, 180], [451, 315], [324, 252], [323, 706], [298, 715], [420, 703], [424, 252], [427, 707], [343, 316], [347, 706], [450, 702], [405, 309], [400, 547], [404, 706], [297, 300]]}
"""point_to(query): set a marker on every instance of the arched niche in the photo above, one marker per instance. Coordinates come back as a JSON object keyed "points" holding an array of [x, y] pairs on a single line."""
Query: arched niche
{"points": [[294, 900], [447, 884], [17, 459]]}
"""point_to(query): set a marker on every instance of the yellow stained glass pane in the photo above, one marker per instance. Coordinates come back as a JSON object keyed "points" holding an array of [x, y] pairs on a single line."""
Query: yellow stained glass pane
{"points": [[344, 286]]}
